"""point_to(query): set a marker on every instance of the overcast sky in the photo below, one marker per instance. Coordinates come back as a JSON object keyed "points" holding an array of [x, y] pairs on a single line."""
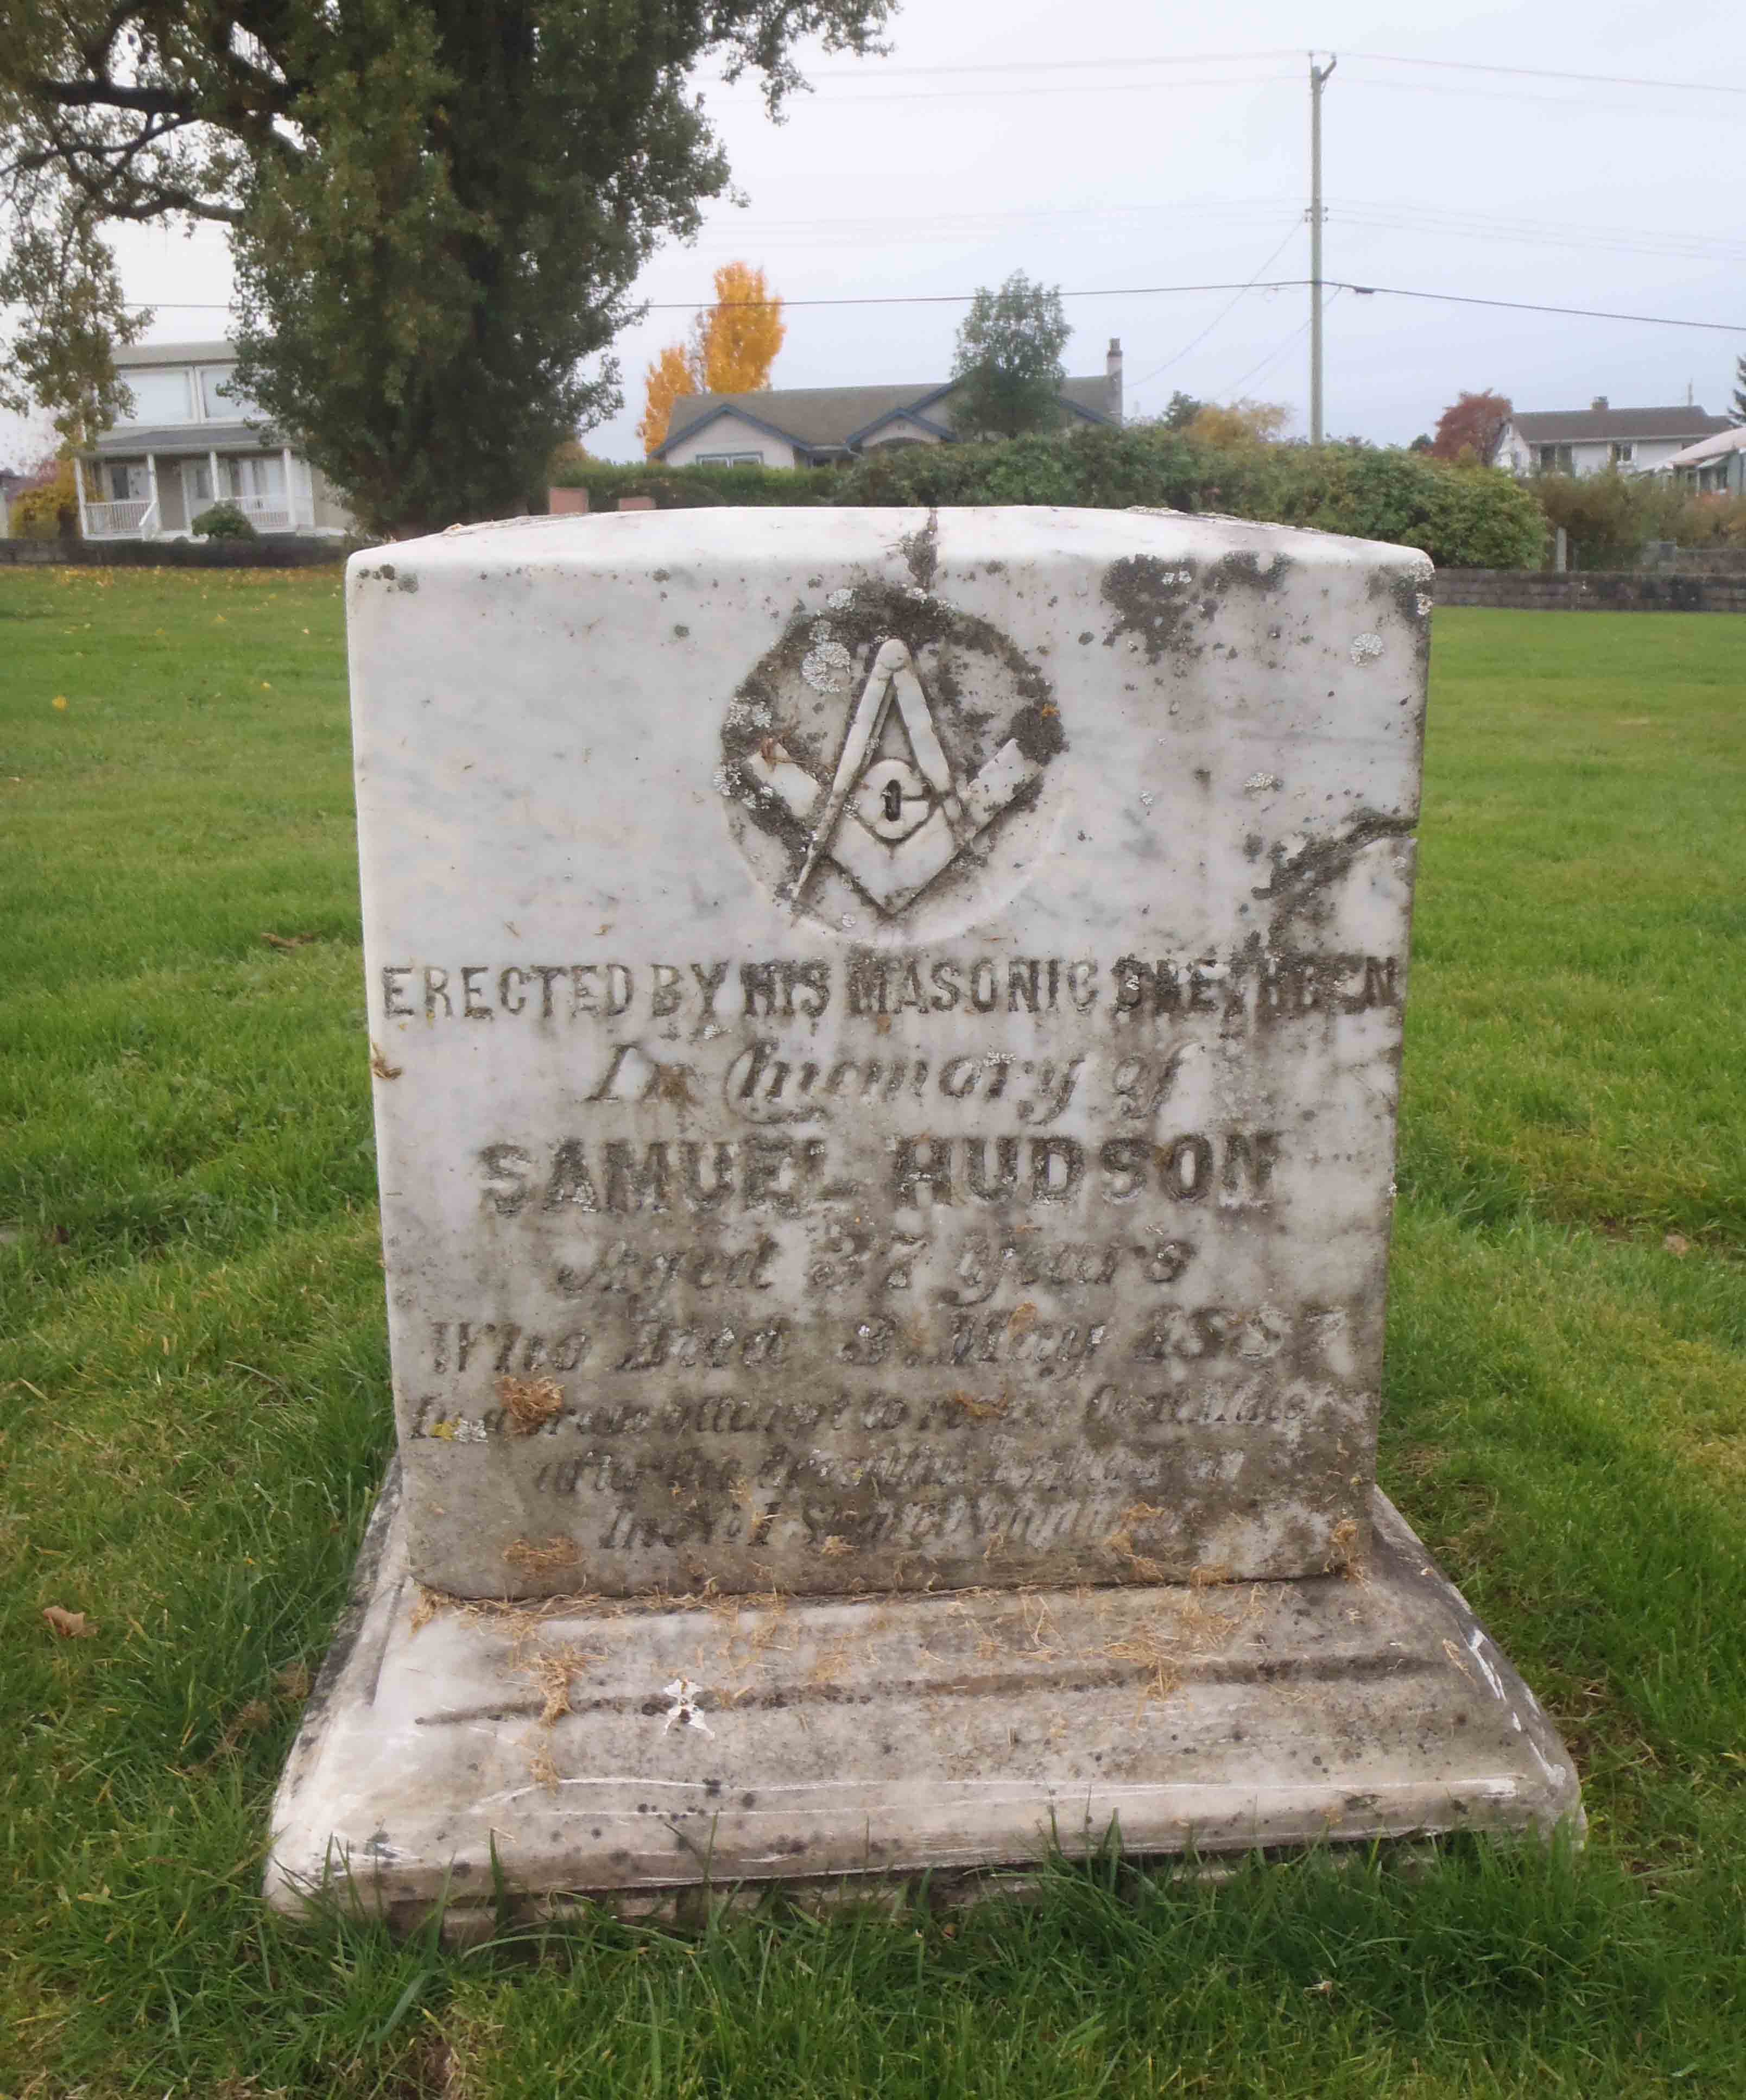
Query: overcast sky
{"points": [[1107, 147]]}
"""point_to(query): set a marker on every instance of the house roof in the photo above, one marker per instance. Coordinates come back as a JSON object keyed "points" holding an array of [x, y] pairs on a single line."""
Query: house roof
{"points": [[827, 418], [131, 357], [1567, 426], [1730, 440], [130, 439]]}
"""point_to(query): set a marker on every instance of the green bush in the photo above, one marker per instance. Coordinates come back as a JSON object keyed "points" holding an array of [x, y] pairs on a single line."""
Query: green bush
{"points": [[1610, 516], [224, 521], [1463, 516], [695, 488]]}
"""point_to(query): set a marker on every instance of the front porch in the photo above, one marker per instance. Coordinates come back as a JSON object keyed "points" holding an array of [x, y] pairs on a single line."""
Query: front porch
{"points": [[156, 495]]}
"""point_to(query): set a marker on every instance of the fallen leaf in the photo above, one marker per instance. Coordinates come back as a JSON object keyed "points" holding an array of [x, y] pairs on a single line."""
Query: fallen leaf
{"points": [[59, 701], [68, 1625], [1677, 1243], [288, 940], [294, 1681], [379, 1066]]}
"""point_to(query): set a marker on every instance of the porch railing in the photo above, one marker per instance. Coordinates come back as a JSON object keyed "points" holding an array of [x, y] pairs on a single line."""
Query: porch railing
{"points": [[267, 513], [119, 521]]}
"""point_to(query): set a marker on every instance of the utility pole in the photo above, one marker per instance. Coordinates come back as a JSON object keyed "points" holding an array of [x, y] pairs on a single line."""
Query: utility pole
{"points": [[1318, 77]]}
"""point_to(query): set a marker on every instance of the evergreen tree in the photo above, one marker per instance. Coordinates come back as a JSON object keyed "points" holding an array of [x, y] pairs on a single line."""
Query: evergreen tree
{"points": [[1737, 412], [1008, 360]]}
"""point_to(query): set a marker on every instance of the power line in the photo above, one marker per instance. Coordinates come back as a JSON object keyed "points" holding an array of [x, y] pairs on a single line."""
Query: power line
{"points": [[1273, 356], [1548, 72], [1177, 357], [1126, 62], [1060, 65], [1530, 307], [981, 93], [1111, 292], [892, 231]]}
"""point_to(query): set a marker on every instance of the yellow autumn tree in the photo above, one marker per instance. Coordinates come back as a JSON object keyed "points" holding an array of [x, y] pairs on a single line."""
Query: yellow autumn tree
{"points": [[732, 345], [667, 379], [739, 336]]}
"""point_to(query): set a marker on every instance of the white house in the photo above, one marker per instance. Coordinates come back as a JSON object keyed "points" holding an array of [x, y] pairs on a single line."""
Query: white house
{"points": [[1583, 441], [1713, 465], [815, 426], [192, 441]]}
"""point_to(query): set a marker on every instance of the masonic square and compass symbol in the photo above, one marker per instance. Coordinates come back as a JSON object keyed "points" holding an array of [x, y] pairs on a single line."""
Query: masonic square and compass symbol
{"points": [[893, 824]]}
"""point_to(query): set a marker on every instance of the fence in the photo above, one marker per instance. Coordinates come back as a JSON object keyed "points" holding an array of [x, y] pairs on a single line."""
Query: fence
{"points": [[1623, 590]]}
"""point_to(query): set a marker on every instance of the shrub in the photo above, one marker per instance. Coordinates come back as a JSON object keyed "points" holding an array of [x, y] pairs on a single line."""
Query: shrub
{"points": [[694, 488], [1463, 516], [1610, 516], [48, 506], [224, 521]]}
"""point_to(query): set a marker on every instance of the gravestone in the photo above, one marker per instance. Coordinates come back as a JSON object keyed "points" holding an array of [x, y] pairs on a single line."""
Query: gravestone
{"points": [[885, 1030]]}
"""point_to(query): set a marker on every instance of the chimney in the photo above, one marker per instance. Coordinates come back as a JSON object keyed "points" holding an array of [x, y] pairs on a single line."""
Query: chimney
{"points": [[1112, 369], [1599, 402]]}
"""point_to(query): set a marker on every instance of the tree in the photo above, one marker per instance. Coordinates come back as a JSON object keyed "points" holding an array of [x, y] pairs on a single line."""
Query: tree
{"points": [[48, 506], [1737, 412], [1182, 411], [1243, 422], [1473, 424], [437, 207], [738, 336], [1008, 364], [732, 345], [670, 377]]}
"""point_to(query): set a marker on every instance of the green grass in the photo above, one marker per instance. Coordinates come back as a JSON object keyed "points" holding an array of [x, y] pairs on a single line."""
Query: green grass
{"points": [[192, 1420]]}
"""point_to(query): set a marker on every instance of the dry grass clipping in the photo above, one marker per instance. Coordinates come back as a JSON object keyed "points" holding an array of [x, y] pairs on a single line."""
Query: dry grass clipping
{"points": [[1141, 1567], [529, 1403], [1163, 1651], [533, 1557], [1344, 1557], [542, 1766], [551, 1670]]}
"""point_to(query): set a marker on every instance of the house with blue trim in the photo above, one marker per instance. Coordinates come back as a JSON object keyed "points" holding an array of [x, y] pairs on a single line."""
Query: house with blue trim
{"points": [[820, 426]]}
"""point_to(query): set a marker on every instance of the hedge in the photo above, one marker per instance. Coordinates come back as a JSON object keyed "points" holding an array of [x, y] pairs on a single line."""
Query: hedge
{"points": [[1463, 516], [696, 487]]}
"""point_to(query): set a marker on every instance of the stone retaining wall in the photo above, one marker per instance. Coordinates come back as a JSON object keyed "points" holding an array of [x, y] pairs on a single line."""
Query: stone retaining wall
{"points": [[1548, 590], [270, 551]]}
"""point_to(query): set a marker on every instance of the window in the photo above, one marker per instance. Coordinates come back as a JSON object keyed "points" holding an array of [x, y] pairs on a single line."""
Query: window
{"points": [[220, 401], [128, 484], [1623, 454], [729, 459], [1556, 459], [264, 479], [160, 397]]}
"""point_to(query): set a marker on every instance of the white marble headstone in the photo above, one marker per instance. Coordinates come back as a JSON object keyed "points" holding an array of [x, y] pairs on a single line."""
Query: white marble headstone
{"points": [[885, 1030]]}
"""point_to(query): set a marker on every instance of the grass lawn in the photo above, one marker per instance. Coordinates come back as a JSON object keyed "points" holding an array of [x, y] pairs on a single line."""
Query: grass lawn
{"points": [[193, 1417]]}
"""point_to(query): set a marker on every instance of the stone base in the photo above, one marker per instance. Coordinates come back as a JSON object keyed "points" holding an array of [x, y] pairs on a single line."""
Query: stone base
{"points": [[635, 1753]]}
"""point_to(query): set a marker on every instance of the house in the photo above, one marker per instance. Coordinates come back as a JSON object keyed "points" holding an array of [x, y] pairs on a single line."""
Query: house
{"points": [[816, 425], [1713, 465], [1590, 440], [192, 441]]}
